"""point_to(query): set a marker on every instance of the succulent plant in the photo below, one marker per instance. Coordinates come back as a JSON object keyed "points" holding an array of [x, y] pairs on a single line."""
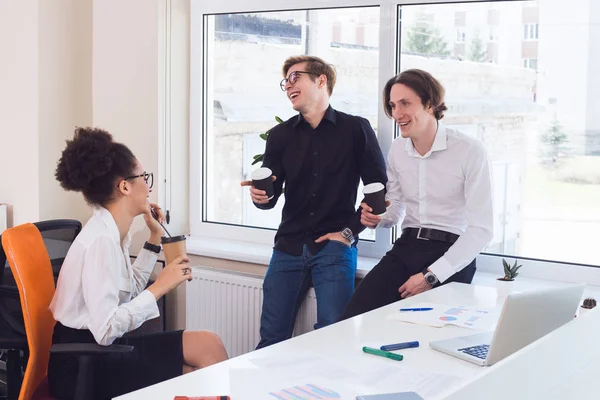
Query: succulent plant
{"points": [[510, 271], [590, 302]]}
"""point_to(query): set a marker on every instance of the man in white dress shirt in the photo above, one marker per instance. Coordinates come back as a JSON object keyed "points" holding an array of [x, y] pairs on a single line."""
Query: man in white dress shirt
{"points": [[439, 187]]}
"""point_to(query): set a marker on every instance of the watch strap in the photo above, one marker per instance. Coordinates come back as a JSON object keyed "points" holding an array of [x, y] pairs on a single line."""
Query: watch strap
{"points": [[152, 247]]}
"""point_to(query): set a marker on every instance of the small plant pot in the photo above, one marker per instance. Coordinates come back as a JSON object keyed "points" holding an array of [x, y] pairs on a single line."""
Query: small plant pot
{"points": [[583, 311], [504, 287]]}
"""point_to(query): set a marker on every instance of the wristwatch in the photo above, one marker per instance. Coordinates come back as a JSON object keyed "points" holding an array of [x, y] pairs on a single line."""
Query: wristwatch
{"points": [[152, 247], [348, 235], [430, 278]]}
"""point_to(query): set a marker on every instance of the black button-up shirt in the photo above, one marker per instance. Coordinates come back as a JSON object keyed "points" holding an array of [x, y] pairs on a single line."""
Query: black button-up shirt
{"points": [[321, 169]]}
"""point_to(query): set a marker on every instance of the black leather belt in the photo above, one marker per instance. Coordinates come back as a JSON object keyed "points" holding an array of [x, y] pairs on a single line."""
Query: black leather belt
{"points": [[430, 234]]}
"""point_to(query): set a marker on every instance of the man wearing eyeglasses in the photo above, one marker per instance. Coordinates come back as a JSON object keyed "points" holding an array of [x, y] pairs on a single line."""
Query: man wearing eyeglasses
{"points": [[320, 156]]}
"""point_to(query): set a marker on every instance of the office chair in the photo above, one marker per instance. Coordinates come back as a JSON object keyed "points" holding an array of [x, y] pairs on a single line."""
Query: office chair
{"points": [[58, 235], [32, 269], [12, 332]]}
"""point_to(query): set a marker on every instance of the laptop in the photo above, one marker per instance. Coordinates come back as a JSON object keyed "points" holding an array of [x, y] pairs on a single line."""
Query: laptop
{"points": [[525, 317]]}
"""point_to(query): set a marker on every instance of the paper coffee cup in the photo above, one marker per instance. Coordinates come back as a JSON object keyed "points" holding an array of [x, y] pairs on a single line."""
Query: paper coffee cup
{"points": [[261, 179], [173, 247], [375, 197]]}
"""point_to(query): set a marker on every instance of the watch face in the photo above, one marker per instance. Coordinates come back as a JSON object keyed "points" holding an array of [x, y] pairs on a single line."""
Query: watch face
{"points": [[347, 234], [430, 279]]}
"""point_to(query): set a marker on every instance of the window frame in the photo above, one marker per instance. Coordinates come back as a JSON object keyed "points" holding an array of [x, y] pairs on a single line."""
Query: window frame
{"points": [[199, 226], [388, 39]]}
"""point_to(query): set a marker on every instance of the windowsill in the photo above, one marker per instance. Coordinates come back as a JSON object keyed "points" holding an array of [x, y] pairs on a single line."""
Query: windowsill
{"points": [[488, 265], [252, 253]]}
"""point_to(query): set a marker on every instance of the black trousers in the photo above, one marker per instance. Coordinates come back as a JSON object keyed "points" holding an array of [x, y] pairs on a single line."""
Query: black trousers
{"points": [[407, 257]]}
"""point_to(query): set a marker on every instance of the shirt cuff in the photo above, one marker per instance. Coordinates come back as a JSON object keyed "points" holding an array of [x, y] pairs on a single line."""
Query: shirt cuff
{"points": [[147, 306], [442, 269], [148, 260]]}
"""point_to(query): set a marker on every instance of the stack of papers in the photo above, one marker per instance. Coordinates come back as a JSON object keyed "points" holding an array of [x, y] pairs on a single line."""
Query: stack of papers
{"points": [[311, 377], [444, 314]]}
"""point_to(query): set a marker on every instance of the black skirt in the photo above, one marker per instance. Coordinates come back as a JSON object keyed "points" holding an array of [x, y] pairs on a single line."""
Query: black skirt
{"points": [[156, 357]]}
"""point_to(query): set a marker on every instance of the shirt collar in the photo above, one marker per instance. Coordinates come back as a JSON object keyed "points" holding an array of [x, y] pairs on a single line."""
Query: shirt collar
{"points": [[107, 219], [330, 115], [439, 143]]}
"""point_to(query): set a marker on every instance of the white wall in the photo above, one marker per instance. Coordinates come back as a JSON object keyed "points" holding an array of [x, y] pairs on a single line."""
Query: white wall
{"points": [[65, 96], [45, 77], [19, 180], [125, 79]]}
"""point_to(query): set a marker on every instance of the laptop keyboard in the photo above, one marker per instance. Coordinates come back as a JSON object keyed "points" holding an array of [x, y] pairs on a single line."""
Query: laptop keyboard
{"points": [[477, 351]]}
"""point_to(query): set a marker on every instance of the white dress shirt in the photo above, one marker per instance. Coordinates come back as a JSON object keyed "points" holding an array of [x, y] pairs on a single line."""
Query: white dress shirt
{"points": [[98, 288], [449, 188]]}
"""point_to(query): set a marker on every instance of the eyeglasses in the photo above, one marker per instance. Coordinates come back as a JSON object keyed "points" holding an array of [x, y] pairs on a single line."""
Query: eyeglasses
{"points": [[148, 177], [293, 77]]}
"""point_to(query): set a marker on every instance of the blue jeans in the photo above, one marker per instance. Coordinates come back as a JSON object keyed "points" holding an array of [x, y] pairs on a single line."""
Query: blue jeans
{"points": [[331, 271]]}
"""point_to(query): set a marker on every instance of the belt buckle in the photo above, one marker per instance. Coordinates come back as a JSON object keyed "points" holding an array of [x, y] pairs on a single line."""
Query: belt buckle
{"points": [[419, 235]]}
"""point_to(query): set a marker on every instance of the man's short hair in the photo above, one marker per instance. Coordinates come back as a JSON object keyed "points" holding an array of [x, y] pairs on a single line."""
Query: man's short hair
{"points": [[430, 90], [314, 65]]}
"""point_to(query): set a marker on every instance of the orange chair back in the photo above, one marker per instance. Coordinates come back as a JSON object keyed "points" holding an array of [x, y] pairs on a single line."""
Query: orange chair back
{"points": [[30, 265]]}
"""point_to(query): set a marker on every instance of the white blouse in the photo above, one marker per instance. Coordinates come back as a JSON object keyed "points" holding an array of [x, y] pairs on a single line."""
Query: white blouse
{"points": [[98, 288]]}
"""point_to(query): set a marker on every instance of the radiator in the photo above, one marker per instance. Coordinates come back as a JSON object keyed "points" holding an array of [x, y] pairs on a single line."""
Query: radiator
{"points": [[229, 304]]}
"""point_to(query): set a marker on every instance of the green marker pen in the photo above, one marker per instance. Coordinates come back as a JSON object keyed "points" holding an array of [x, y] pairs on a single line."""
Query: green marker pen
{"points": [[381, 353]]}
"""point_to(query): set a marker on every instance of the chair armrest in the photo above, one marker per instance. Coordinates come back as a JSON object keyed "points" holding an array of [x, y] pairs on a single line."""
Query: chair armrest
{"points": [[89, 349]]}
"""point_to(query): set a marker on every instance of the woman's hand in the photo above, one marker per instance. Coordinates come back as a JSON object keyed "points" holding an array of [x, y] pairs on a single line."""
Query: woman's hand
{"points": [[155, 229], [171, 276]]}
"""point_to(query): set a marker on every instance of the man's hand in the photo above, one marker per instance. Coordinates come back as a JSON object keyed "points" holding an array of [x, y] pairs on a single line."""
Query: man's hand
{"points": [[336, 236], [258, 196], [367, 218], [414, 285]]}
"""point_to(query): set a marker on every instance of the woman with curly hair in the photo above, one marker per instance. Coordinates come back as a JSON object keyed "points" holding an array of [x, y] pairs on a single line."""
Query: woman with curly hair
{"points": [[100, 296]]}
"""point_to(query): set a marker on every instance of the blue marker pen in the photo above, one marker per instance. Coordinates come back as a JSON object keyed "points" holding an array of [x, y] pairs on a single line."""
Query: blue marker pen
{"points": [[398, 346]]}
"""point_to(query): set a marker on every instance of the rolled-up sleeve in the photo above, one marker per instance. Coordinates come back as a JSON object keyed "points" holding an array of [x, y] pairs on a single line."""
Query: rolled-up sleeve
{"points": [[102, 282], [142, 269]]}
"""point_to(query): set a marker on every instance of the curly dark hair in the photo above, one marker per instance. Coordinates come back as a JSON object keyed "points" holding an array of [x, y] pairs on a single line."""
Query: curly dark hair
{"points": [[430, 91], [92, 163]]}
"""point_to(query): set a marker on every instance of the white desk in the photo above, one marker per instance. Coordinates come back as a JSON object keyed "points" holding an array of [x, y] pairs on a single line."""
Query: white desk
{"points": [[343, 341]]}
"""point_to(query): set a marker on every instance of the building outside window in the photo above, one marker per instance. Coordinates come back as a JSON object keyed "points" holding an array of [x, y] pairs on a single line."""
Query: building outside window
{"points": [[530, 31], [530, 63]]}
